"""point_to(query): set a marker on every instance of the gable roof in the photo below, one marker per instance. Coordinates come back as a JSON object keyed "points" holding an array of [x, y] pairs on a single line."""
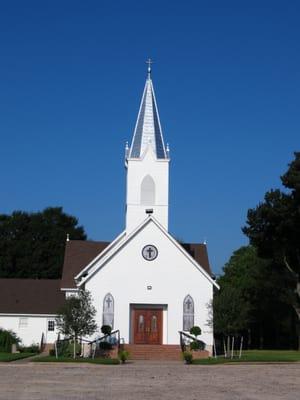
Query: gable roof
{"points": [[199, 252], [30, 296], [101, 260], [78, 254], [115, 246]]}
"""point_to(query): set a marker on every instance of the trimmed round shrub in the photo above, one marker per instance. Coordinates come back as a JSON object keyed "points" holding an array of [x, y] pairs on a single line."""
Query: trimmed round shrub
{"points": [[106, 329], [195, 330]]}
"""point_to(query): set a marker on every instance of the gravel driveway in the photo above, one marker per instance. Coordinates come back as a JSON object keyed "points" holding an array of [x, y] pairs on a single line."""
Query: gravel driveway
{"points": [[149, 380]]}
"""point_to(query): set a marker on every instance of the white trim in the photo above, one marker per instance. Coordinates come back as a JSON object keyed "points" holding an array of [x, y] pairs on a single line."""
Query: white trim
{"points": [[154, 156], [159, 160], [174, 241], [127, 238], [101, 254], [151, 152], [69, 289], [138, 118], [109, 255], [27, 315], [158, 118]]}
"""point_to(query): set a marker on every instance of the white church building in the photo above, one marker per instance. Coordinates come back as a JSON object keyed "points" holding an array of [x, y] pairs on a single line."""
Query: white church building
{"points": [[144, 283]]}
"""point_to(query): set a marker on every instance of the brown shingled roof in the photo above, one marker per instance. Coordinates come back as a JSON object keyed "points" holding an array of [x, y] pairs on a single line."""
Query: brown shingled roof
{"points": [[30, 296], [79, 253], [199, 252]]}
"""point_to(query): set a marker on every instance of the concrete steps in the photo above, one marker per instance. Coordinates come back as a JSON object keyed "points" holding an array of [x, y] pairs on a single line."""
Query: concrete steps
{"points": [[168, 352], [47, 348]]}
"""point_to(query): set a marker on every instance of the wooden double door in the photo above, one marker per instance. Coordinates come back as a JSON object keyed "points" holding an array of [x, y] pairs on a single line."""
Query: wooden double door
{"points": [[147, 326]]}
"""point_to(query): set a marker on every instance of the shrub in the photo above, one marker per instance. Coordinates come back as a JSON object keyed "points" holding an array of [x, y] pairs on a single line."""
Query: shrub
{"points": [[194, 345], [106, 329], [195, 330], [65, 348], [105, 346], [7, 339], [188, 357], [123, 356], [34, 348], [52, 352], [197, 345]]}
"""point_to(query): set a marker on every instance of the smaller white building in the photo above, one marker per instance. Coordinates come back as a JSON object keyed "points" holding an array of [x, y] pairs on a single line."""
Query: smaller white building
{"points": [[28, 307]]}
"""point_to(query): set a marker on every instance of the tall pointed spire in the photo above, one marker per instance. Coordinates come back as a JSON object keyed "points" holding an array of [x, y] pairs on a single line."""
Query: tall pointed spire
{"points": [[148, 129]]}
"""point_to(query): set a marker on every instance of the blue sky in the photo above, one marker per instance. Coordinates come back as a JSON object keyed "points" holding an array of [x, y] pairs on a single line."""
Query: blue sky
{"points": [[227, 82]]}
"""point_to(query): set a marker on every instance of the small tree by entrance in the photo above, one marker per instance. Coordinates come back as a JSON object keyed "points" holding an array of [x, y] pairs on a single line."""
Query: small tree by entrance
{"points": [[76, 317]]}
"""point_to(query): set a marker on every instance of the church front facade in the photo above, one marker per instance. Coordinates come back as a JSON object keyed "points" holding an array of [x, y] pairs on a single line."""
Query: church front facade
{"points": [[151, 297], [145, 283]]}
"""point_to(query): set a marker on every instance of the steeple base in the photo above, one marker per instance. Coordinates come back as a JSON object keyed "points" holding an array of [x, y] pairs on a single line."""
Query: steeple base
{"points": [[136, 214]]}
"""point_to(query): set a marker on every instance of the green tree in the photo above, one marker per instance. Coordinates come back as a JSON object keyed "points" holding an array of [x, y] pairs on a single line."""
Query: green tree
{"points": [[32, 244], [273, 227], [252, 300], [230, 311], [7, 339], [231, 304], [76, 318]]}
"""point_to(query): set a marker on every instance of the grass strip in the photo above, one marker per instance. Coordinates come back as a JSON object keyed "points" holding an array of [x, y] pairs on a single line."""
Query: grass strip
{"points": [[256, 356], [7, 357], [106, 361]]}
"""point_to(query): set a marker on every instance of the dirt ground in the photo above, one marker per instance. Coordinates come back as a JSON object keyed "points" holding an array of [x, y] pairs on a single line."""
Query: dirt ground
{"points": [[149, 380]]}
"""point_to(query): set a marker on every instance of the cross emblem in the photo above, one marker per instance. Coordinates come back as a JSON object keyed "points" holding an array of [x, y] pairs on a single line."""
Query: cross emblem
{"points": [[108, 302], [149, 252], [188, 303]]}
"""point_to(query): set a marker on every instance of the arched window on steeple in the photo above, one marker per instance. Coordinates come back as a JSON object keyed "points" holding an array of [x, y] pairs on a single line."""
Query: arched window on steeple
{"points": [[188, 313], [108, 310], [148, 191]]}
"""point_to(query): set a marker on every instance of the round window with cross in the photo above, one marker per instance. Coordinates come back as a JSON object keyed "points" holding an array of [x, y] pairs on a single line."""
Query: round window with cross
{"points": [[149, 252]]}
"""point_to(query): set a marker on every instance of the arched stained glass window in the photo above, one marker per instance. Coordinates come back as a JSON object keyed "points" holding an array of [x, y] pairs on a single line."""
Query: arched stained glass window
{"points": [[108, 310], [188, 313]]}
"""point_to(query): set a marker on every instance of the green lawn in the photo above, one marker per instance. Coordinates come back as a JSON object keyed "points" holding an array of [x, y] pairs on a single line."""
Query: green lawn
{"points": [[6, 357], [108, 361], [256, 356]]}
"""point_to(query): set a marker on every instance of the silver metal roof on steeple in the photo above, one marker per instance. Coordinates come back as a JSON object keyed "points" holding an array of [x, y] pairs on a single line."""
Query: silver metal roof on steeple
{"points": [[147, 129]]}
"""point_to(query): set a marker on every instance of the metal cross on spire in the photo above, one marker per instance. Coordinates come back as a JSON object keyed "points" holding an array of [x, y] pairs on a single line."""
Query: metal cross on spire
{"points": [[149, 62]]}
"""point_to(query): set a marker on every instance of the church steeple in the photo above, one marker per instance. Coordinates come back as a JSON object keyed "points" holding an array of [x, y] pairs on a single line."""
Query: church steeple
{"points": [[147, 164], [148, 129]]}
